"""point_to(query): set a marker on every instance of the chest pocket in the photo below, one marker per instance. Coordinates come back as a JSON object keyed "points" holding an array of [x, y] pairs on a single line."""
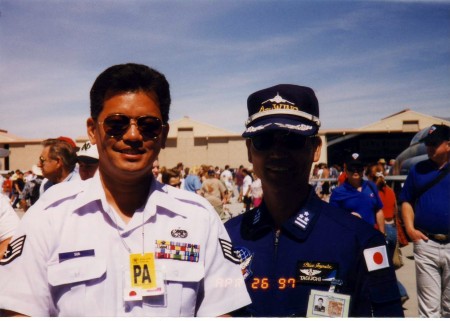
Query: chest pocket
{"points": [[184, 285], [76, 285]]}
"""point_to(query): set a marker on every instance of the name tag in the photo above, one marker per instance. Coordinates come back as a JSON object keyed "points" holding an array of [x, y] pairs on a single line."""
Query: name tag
{"points": [[75, 254]]}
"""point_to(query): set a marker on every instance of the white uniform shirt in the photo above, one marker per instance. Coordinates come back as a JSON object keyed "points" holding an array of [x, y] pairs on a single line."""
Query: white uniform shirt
{"points": [[226, 177], [246, 185], [75, 256], [8, 218]]}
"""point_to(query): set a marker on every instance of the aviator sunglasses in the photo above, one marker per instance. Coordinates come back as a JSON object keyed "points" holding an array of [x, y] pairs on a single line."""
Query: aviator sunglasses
{"points": [[267, 141], [116, 125]]}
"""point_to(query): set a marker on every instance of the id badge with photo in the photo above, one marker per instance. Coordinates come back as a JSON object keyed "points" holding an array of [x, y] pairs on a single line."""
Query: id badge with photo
{"points": [[323, 304]]}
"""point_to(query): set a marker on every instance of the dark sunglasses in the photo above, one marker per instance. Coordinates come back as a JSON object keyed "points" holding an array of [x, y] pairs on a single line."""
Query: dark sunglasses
{"points": [[355, 169], [116, 125], [433, 143], [266, 141]]}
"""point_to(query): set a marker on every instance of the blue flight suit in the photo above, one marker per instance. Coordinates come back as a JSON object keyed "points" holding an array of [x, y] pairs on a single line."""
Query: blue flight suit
{"points": [[314, 246]]}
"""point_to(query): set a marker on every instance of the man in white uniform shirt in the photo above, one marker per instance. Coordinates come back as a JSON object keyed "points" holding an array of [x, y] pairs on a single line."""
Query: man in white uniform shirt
{"points": [[8, 223], [121, 243]]}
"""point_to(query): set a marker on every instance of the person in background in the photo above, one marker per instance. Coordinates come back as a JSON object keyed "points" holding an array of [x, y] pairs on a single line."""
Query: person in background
{"points": [[214, 191], [294, 242], [374, 173], [7, 185], [180, 169], [121, 243], [192, 181], [383, 166], [324, 173], [246, 195], [239, 178], [87, 160], [359, 196], [18, 186], [156, 171], [57, 162], [31, 189], [172, 177], [426, 215], [8, 223], [256, 191], [227, 178]]}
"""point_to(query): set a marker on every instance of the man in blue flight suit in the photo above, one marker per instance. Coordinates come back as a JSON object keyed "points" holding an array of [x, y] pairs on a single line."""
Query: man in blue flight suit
{"points": [[294, 246]]}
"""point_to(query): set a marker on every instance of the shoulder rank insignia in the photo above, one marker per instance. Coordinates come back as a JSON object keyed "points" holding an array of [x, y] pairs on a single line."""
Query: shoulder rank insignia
{"points": [[13, 251], [227, 250], [302, 220]]}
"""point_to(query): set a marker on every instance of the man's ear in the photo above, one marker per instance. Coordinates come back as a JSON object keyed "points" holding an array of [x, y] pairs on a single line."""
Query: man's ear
{"points": [[164, 134], [248, 142], [317, 148], [91, 129]]}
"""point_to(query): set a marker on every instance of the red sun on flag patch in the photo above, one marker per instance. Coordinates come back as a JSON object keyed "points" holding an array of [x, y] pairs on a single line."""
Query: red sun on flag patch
{"points": [[376, 258]]}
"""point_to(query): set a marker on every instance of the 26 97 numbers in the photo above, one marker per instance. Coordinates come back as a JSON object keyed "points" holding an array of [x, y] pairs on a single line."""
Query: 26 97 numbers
{"points": [[264, 284]]}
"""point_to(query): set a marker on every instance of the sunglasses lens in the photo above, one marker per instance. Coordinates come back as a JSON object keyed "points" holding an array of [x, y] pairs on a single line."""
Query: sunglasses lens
{"points": [[355, 169], [116, 125], [262, 142], [266, 141], [150, 127]]}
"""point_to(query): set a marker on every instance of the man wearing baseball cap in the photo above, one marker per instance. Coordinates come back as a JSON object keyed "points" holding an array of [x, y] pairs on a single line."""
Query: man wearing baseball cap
{"points": [[425, 212], [294, 246], [87, 160]]}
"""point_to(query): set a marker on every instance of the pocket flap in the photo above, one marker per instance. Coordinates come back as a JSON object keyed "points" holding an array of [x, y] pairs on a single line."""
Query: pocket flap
{"points": [[181, 271], [76, 270]]}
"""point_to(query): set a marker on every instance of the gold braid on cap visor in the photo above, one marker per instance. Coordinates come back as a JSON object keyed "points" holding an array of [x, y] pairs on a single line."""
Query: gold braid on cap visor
{"points": [[297, 113]]}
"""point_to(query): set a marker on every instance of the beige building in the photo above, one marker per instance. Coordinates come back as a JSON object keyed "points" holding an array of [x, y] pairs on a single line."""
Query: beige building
{"points": [[195, 143]]}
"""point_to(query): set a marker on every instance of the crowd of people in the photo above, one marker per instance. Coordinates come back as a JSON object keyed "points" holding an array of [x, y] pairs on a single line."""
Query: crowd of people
{"points": [[110, 232], [220, 186]]}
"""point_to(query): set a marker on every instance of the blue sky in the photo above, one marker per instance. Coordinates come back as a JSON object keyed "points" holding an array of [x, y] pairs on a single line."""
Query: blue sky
{"points": [[366, 60]]}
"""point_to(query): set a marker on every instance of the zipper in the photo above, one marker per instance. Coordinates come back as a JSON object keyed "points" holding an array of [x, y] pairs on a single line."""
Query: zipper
{"points": [[275, 243]]}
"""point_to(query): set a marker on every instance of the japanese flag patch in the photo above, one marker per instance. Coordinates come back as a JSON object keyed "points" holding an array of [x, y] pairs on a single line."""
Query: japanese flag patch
{"points": [[376, 258]]}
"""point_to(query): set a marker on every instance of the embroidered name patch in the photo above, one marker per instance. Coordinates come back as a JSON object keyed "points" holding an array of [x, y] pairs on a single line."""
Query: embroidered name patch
{"points": [[316, 272], [177, 251], [13, 251], [75, 254]]}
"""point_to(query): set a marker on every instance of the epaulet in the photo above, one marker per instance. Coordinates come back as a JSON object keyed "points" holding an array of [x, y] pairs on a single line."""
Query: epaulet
{"points": [[60, 192], [184, 196]]}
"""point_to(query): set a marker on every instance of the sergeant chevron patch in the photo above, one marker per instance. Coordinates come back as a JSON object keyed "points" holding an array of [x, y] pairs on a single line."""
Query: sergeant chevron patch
{"points": [[13, 251], [227, 250]]}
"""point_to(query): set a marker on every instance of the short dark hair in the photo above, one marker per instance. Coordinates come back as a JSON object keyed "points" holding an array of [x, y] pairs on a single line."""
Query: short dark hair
{"points": [[62, 149], [168, 174], [130, 77]]}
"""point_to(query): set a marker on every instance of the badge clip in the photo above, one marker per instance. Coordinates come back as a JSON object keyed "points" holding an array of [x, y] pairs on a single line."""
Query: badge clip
{"points": [[334, 283]]}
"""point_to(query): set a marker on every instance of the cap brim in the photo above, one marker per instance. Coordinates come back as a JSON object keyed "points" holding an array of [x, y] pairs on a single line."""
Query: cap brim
{"points": [[295, 125], [87, 159]]}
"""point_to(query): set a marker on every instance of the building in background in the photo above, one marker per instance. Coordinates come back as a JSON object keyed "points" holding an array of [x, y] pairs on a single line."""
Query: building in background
{"points": [[195, 143]]}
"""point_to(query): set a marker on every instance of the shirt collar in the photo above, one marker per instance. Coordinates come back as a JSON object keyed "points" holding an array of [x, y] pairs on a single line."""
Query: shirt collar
{"points": [[158, 197], [258, 222]]}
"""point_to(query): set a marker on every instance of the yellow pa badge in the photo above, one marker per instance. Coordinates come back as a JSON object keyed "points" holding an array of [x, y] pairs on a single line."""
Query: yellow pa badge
{"points": [[142, 271]]}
